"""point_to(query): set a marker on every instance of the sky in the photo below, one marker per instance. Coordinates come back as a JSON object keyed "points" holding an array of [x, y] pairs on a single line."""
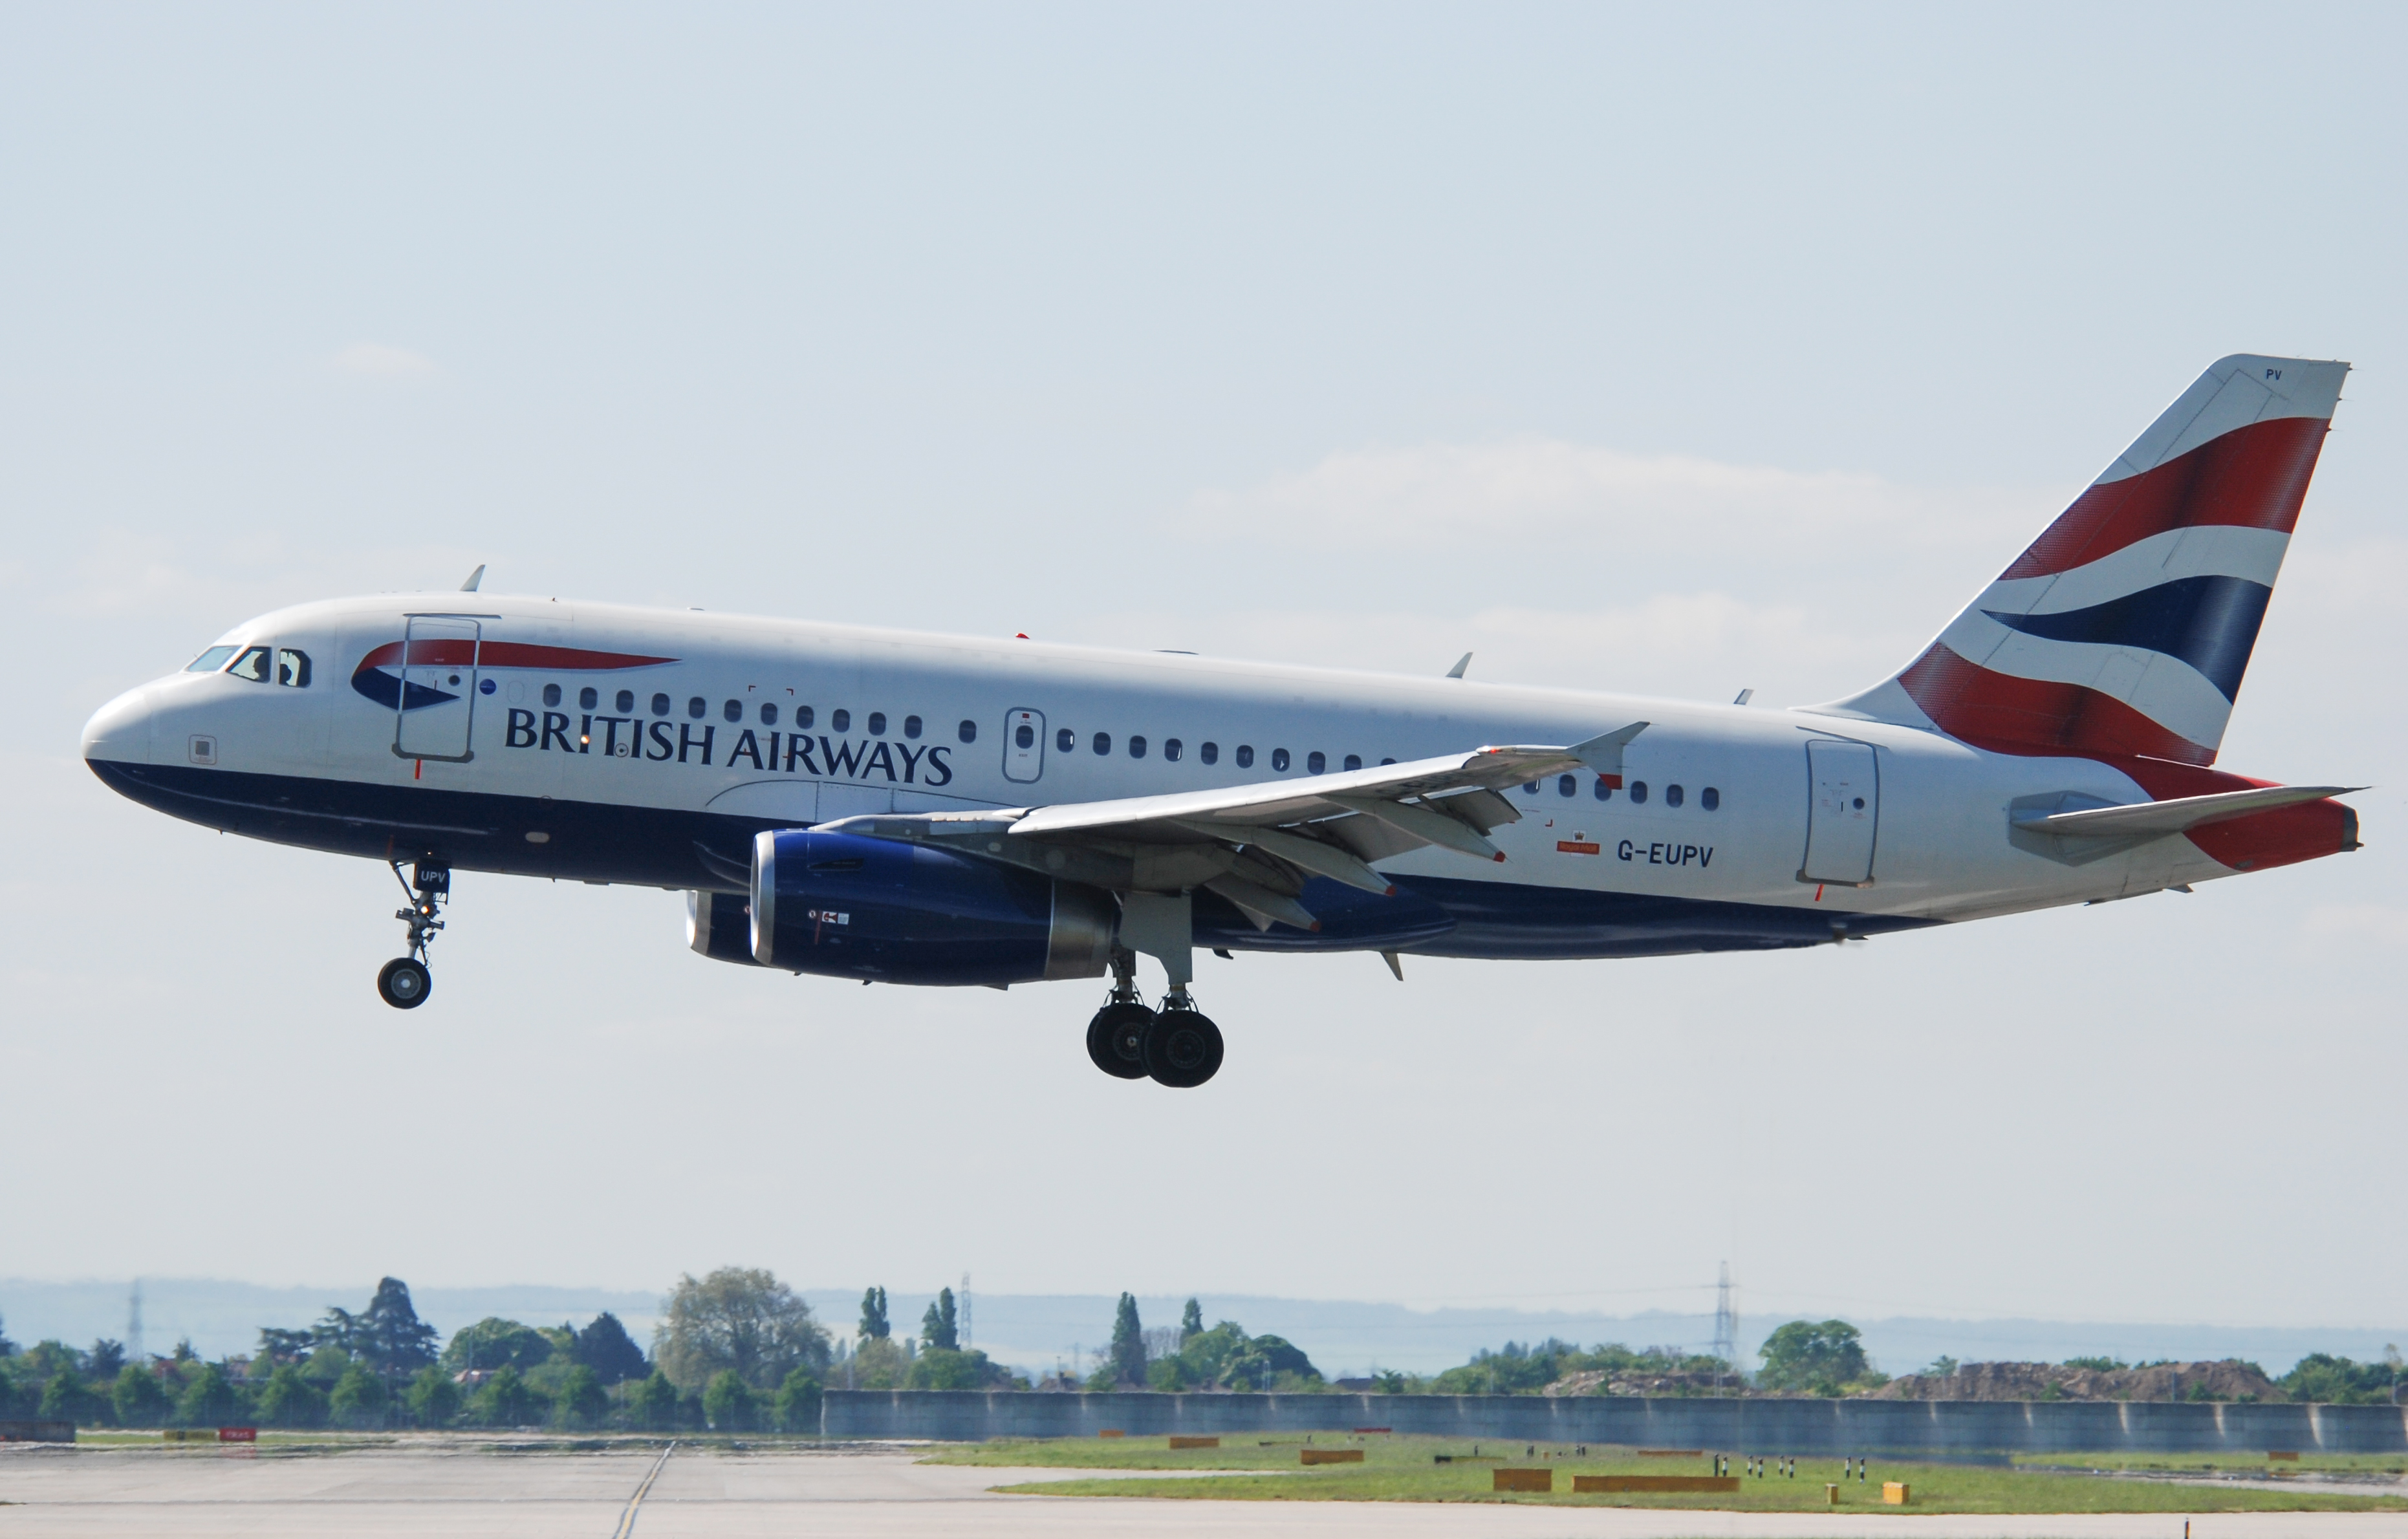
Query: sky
{"points": [[1671, 351]]}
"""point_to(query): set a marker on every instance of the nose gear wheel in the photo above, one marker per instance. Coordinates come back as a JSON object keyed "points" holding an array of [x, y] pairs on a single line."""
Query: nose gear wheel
{"points": [[405, 982]]}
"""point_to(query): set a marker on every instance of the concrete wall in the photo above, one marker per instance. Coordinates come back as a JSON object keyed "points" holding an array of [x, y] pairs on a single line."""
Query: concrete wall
{"points": [[1756, 1426]]}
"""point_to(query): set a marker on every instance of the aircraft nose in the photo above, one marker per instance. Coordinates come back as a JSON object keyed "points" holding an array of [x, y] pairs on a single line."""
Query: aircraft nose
{"points": [[120, 731]]}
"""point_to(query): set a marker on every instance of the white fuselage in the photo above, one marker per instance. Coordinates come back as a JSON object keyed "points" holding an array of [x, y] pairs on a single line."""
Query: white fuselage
{"points": [[898, 722]]}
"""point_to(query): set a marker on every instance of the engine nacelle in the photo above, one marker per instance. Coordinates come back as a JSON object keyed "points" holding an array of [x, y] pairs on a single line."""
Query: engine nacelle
{"points": [[720, 926], [848, 906]]}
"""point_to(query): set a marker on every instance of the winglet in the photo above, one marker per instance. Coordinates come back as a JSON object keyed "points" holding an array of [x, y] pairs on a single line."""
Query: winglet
{"points": [[474, 577], [1460, 664], [1603, 753]]}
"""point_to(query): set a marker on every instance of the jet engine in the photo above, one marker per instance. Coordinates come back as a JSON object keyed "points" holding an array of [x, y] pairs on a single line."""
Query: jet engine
{"points": [[848, 906]]}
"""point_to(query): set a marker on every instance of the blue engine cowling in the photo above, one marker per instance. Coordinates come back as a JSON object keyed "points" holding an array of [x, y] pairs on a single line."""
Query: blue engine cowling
{"points": [[847, 906]]}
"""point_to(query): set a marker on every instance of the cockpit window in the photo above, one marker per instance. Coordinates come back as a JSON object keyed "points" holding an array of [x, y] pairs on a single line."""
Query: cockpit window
{"points": [[252, 664], [210, 661], [292, 668]]}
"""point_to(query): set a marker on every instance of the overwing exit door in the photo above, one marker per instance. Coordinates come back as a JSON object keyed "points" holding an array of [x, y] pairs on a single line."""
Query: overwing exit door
{"points": [[437, 710], [1024, 746], [1842, 814]]}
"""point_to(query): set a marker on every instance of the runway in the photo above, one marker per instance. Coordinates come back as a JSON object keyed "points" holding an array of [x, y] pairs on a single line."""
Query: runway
{"points": [[467, 1490]]}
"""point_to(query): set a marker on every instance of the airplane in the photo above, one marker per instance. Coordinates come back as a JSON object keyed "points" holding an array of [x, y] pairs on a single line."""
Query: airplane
{"points": [[913, 808]]}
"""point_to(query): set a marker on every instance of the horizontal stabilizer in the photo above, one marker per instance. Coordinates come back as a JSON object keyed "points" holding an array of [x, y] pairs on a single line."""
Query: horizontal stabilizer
{"points": [[2181, 814]]}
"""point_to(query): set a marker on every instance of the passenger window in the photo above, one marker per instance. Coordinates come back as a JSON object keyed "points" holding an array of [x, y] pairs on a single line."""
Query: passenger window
{"points": [[802, 716], [1603, 789], [769, 714], [1065, 740], [1137, 748], [1388, 761], [210, 661], [1279, 759], [588, 697], [969, 732], [1209, 752], [1245, 756], [1026, 736], [660, 702], [1566, 785], [1710, 799], [1172, 748], [1103, 742], [912, 727], [1315, 762], [733, 711], [293, 669], [1638, 790], [252, 664], [696, 706], [1671, 796], [552, 694], [1529, 787], [878, 724], [1353, 761], [841, 721]]}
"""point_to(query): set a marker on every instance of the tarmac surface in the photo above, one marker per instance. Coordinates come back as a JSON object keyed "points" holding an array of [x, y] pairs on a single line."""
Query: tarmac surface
{"points": [[470, 1489]]}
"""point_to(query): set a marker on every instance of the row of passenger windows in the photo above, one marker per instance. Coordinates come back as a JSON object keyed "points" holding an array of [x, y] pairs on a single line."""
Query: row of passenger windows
{"points": [[1065, 740], [590, 699], [1568, 785], [1137, 747]]}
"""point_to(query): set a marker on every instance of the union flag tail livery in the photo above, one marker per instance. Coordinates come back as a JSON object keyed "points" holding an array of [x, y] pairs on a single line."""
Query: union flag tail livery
{"points": [[2126, 627], [898, 808]]}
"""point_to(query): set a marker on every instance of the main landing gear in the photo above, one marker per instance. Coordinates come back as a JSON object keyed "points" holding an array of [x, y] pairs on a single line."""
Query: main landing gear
{"points": [[404, 982], [1177, 1046]]}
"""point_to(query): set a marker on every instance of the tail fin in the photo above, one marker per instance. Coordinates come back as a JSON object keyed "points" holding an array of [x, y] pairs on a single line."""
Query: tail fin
{"points": [[2126, 627]]}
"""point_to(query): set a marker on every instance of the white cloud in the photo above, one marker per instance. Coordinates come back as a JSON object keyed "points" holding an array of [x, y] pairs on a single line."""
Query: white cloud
{"points": [[1571, 496], [377, 360], [2355, 925]]}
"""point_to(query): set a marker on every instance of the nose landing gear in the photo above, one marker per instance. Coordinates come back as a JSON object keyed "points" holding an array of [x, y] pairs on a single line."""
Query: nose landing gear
{"points": [[404, 982], [1177, 1046]]}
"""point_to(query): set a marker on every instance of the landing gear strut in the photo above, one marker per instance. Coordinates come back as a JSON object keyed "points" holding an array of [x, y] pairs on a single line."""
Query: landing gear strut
{"points": [[404, 982], [1116, 1036], [1177, 1046]]}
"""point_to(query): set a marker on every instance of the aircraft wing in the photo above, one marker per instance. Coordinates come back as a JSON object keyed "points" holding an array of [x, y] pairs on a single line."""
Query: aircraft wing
{"points": [[1257, 845]]}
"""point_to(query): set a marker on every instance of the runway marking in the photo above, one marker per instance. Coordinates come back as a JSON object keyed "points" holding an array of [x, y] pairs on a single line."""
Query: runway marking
{"points": [[628, 1518]]}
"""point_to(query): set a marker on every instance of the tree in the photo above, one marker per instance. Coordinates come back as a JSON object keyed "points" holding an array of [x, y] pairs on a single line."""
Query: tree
{"points": [[880, 1365], [7, 1347], [605, 1347], [47, 1359], [210, 1398], [65, 1398], [496, 1342], [290, 1400], [582, 1400], [105, 1358], [391, 1336], [359, 1398], [137, 1398], [728, 1401], [434, 1398], [507, 1399], [873, 1315], [654, 1403], [937, 1327], [738, 1319], [1811, 1358], [1191, 1322], [797, 1405], [1127, 1360], [276, 1345]]}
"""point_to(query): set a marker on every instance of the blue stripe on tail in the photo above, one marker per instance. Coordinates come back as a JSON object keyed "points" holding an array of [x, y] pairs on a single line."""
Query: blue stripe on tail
{"points": [[2209, 622]]}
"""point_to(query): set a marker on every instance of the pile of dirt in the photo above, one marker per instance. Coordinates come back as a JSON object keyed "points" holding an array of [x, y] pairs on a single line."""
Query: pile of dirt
{"points": [[1600, 1381], [2227, 1380]]}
